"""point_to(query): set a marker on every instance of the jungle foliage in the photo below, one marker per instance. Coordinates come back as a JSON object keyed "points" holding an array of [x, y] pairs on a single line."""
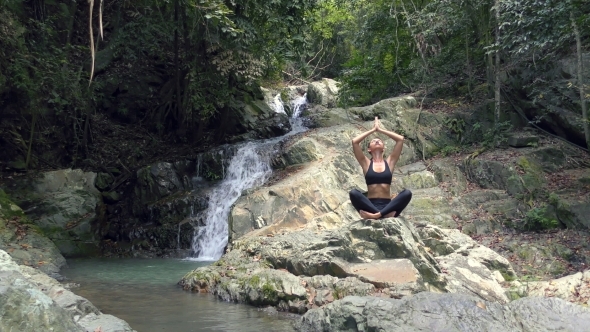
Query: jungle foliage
{"points": [[183, 68]]}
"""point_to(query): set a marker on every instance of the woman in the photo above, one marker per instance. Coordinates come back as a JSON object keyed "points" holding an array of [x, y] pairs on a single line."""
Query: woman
{"points": [[378, 174]]}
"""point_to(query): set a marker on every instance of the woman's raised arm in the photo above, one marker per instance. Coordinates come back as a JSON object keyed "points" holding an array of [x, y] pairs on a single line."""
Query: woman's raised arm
{"points": [[356, 146], [397, 149]]}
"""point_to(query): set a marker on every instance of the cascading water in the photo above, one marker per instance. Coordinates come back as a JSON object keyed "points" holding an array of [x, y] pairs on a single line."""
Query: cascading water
{"points": [[277, 104], [249, 167]]}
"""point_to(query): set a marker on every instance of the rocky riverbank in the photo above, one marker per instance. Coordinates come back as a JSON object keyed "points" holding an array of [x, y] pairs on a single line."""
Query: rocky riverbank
{"points": [[298, 244], [31, 299]]}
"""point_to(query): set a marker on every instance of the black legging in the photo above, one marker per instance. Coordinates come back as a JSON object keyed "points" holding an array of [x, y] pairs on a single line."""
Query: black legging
{"points": [[383, 205]]}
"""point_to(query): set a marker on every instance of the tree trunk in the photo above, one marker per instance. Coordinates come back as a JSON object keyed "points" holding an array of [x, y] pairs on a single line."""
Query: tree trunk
{"points": [[30, 148], [581, 80], [497, 68], [178, 110]]}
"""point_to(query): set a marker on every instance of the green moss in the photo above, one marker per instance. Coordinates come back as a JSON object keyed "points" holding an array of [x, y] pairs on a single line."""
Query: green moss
{"points": [[338, 293], [284, 95], [514, 294], [507, 276], [204, 275], [254, 281], [7, 208], [269, 291]]}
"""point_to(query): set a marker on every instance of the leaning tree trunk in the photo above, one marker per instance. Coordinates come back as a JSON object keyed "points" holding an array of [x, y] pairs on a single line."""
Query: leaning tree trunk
{"points": [[580, 70], [497, 68]]}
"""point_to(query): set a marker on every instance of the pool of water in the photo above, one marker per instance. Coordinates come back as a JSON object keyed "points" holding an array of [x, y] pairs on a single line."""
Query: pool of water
{"points": [[144, 293]]}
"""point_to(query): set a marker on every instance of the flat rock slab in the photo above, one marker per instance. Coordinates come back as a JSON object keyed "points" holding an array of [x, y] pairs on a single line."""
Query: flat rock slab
{"points": [[385, 272], [523, 141]]}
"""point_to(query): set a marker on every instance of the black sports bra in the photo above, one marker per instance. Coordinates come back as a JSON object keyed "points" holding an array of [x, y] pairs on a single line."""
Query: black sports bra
{"points": [[373, 177]]}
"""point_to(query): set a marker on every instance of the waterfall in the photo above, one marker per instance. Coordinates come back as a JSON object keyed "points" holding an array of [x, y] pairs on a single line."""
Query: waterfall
{"points": [[277, 104], [249, 167]]}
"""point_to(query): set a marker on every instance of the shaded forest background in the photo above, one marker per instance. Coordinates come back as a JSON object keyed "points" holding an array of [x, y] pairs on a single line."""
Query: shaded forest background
{"points": [[169, 77]]}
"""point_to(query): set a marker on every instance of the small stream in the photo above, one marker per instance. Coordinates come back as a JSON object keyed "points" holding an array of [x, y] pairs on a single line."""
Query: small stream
{"points": [[144, 293]]}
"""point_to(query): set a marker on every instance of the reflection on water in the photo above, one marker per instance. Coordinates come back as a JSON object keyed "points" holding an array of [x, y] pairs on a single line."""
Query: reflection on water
{"points": [[143, 292]]}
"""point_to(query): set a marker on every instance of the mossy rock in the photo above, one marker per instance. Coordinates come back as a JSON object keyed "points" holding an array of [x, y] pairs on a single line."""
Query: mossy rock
{"points": [[572, 213], [103, 181], [7, 208], [549, 159]]}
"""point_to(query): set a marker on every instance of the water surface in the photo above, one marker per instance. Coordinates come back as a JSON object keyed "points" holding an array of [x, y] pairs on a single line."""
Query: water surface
{"points": [[144, 293]]}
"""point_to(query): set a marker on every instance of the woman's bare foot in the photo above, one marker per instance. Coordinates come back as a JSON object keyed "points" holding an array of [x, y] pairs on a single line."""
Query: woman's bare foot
{"points": [[390, 215], [368, 215]]}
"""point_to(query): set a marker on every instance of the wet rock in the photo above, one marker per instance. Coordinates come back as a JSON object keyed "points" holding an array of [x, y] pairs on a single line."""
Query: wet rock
{"points": [[444, 312], [106, 323]]}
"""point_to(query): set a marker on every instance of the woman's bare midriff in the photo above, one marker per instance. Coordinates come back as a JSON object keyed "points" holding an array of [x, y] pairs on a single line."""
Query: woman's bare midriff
{"points": [[379, 190]]}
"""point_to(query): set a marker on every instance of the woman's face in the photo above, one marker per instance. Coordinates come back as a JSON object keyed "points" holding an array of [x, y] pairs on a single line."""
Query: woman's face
{"points": [[376, 143]]}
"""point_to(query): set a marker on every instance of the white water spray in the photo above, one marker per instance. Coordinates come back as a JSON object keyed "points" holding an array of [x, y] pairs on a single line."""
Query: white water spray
{"points": [[277, 104], [249, 167]]}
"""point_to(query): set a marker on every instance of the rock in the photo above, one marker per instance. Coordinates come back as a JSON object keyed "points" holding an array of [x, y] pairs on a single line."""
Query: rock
{"points": [[110, 323], [431, 206], [257, 119], [498, 175], [65, 206], [25, 243], [468, 276], [319, 116], [24, 309], [338, 253], [549, 158], [323, 93], [443, 242], [547, 259], [246, 279], [32, 301], [446, 170], [111, 197], [574, 288], [302, 151], [444, 312], [385, 273], [523, 141], [573, 212], [103, 181]]}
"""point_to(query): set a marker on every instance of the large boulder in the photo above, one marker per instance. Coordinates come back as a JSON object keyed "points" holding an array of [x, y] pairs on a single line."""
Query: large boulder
{"points": [[324, 92], [445, 312], [242, 277], [24, 241], [32, 301], [318, 193], [427, 131], [574, 288], [66, 207], [259, 120]]}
